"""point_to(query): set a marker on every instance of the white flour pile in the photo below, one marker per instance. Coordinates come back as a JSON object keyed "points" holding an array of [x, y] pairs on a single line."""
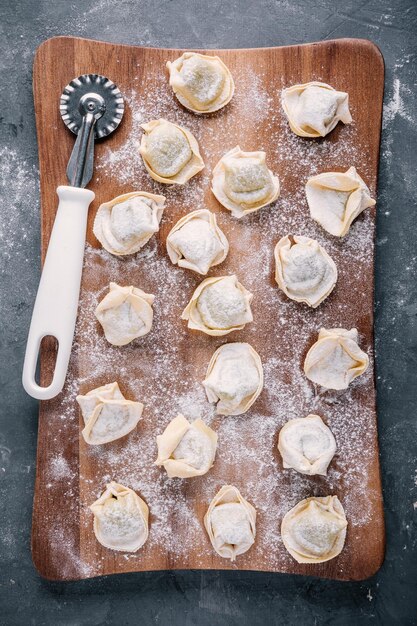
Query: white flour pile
{"points": [[152, 370]]}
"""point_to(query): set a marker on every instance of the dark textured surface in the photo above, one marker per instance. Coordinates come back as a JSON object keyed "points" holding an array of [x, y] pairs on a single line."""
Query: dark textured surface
{"points": [[213, 598]]}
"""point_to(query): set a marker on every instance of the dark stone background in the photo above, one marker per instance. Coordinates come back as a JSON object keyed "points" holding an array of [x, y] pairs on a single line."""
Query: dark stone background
{"points": [[212, 598]]}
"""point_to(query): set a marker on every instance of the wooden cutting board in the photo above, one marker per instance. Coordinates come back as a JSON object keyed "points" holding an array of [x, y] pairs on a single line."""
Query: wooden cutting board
{"points": [[164, 370]]}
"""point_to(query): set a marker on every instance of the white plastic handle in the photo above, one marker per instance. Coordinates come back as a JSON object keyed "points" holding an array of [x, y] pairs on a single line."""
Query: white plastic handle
{"points": [[56, 304]]}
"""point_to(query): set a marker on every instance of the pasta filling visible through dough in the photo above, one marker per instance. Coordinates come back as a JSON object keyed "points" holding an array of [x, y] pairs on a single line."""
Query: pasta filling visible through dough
{"points": [[243, 183], [222, 305], [304, 270], [231, 524], [107, 414], [234, 378], [314, 109], [113, 418], [125, 314], [202, 83], [130, 219], [120, 519], [318, 532], [336, 199], [197, 243], [194, 449], [335, 359], [186, 450], [126, 223], [125, 318], [247, 183], [307, 445], [202, 80], [314, 530], [168, 150]]}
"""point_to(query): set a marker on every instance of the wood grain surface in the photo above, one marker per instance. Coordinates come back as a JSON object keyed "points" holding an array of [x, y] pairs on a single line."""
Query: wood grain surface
{"points": [[171, 361]]}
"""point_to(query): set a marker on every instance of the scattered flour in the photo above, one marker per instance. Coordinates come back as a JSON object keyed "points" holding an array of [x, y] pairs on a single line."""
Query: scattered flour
{"points": [[164, 369], [396, 106]]}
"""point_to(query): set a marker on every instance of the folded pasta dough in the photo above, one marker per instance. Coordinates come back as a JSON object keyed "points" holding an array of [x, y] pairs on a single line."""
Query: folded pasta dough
{"points": [[230, 522], [125, 314], [218, 306], [126, 223], [186, 450], [202, 83], [196, 242], [303, 270], [234, 378], [335, 359], [243, 183], [314, 109], [92, 398], [170, 152], [336, 199], [107, 414], [120, 519], [307, 445], [314, 531]]}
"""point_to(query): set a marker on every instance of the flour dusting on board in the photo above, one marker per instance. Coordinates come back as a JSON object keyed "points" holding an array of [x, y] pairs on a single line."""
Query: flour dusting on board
{"points": [[152, 370]]}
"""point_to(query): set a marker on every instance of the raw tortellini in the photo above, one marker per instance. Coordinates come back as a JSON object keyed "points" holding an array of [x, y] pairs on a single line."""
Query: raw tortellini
{"points": [[218, 306], [243, 183], [125, 313], [335, 359], [314, 109], [304, 271], [185, 449], [196, 242], [230, 522], [107, 414], [120, 519], [336, 199], [170, 152], [202, 83], [314, 530], [234, 378], [124, 225], [307, 445]]}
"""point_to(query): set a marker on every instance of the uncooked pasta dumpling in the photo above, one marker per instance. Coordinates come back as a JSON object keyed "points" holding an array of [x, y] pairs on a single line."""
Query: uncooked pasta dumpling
{"points": [[314, 531], [230, 522], [185, 449], [307, 445], [234, 378], [196, 242], [120, 519], [124, 225], [125, 313], [218, 306], [335, 359], [170, 152], [314, 109], [336, 199], [243, 183], [107, 414], [88, 403], [303, 270], [202, 83]]}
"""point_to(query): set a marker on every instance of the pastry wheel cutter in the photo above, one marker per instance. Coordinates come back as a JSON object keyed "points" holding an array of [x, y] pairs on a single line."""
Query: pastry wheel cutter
{"points": [[92, 107]]}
